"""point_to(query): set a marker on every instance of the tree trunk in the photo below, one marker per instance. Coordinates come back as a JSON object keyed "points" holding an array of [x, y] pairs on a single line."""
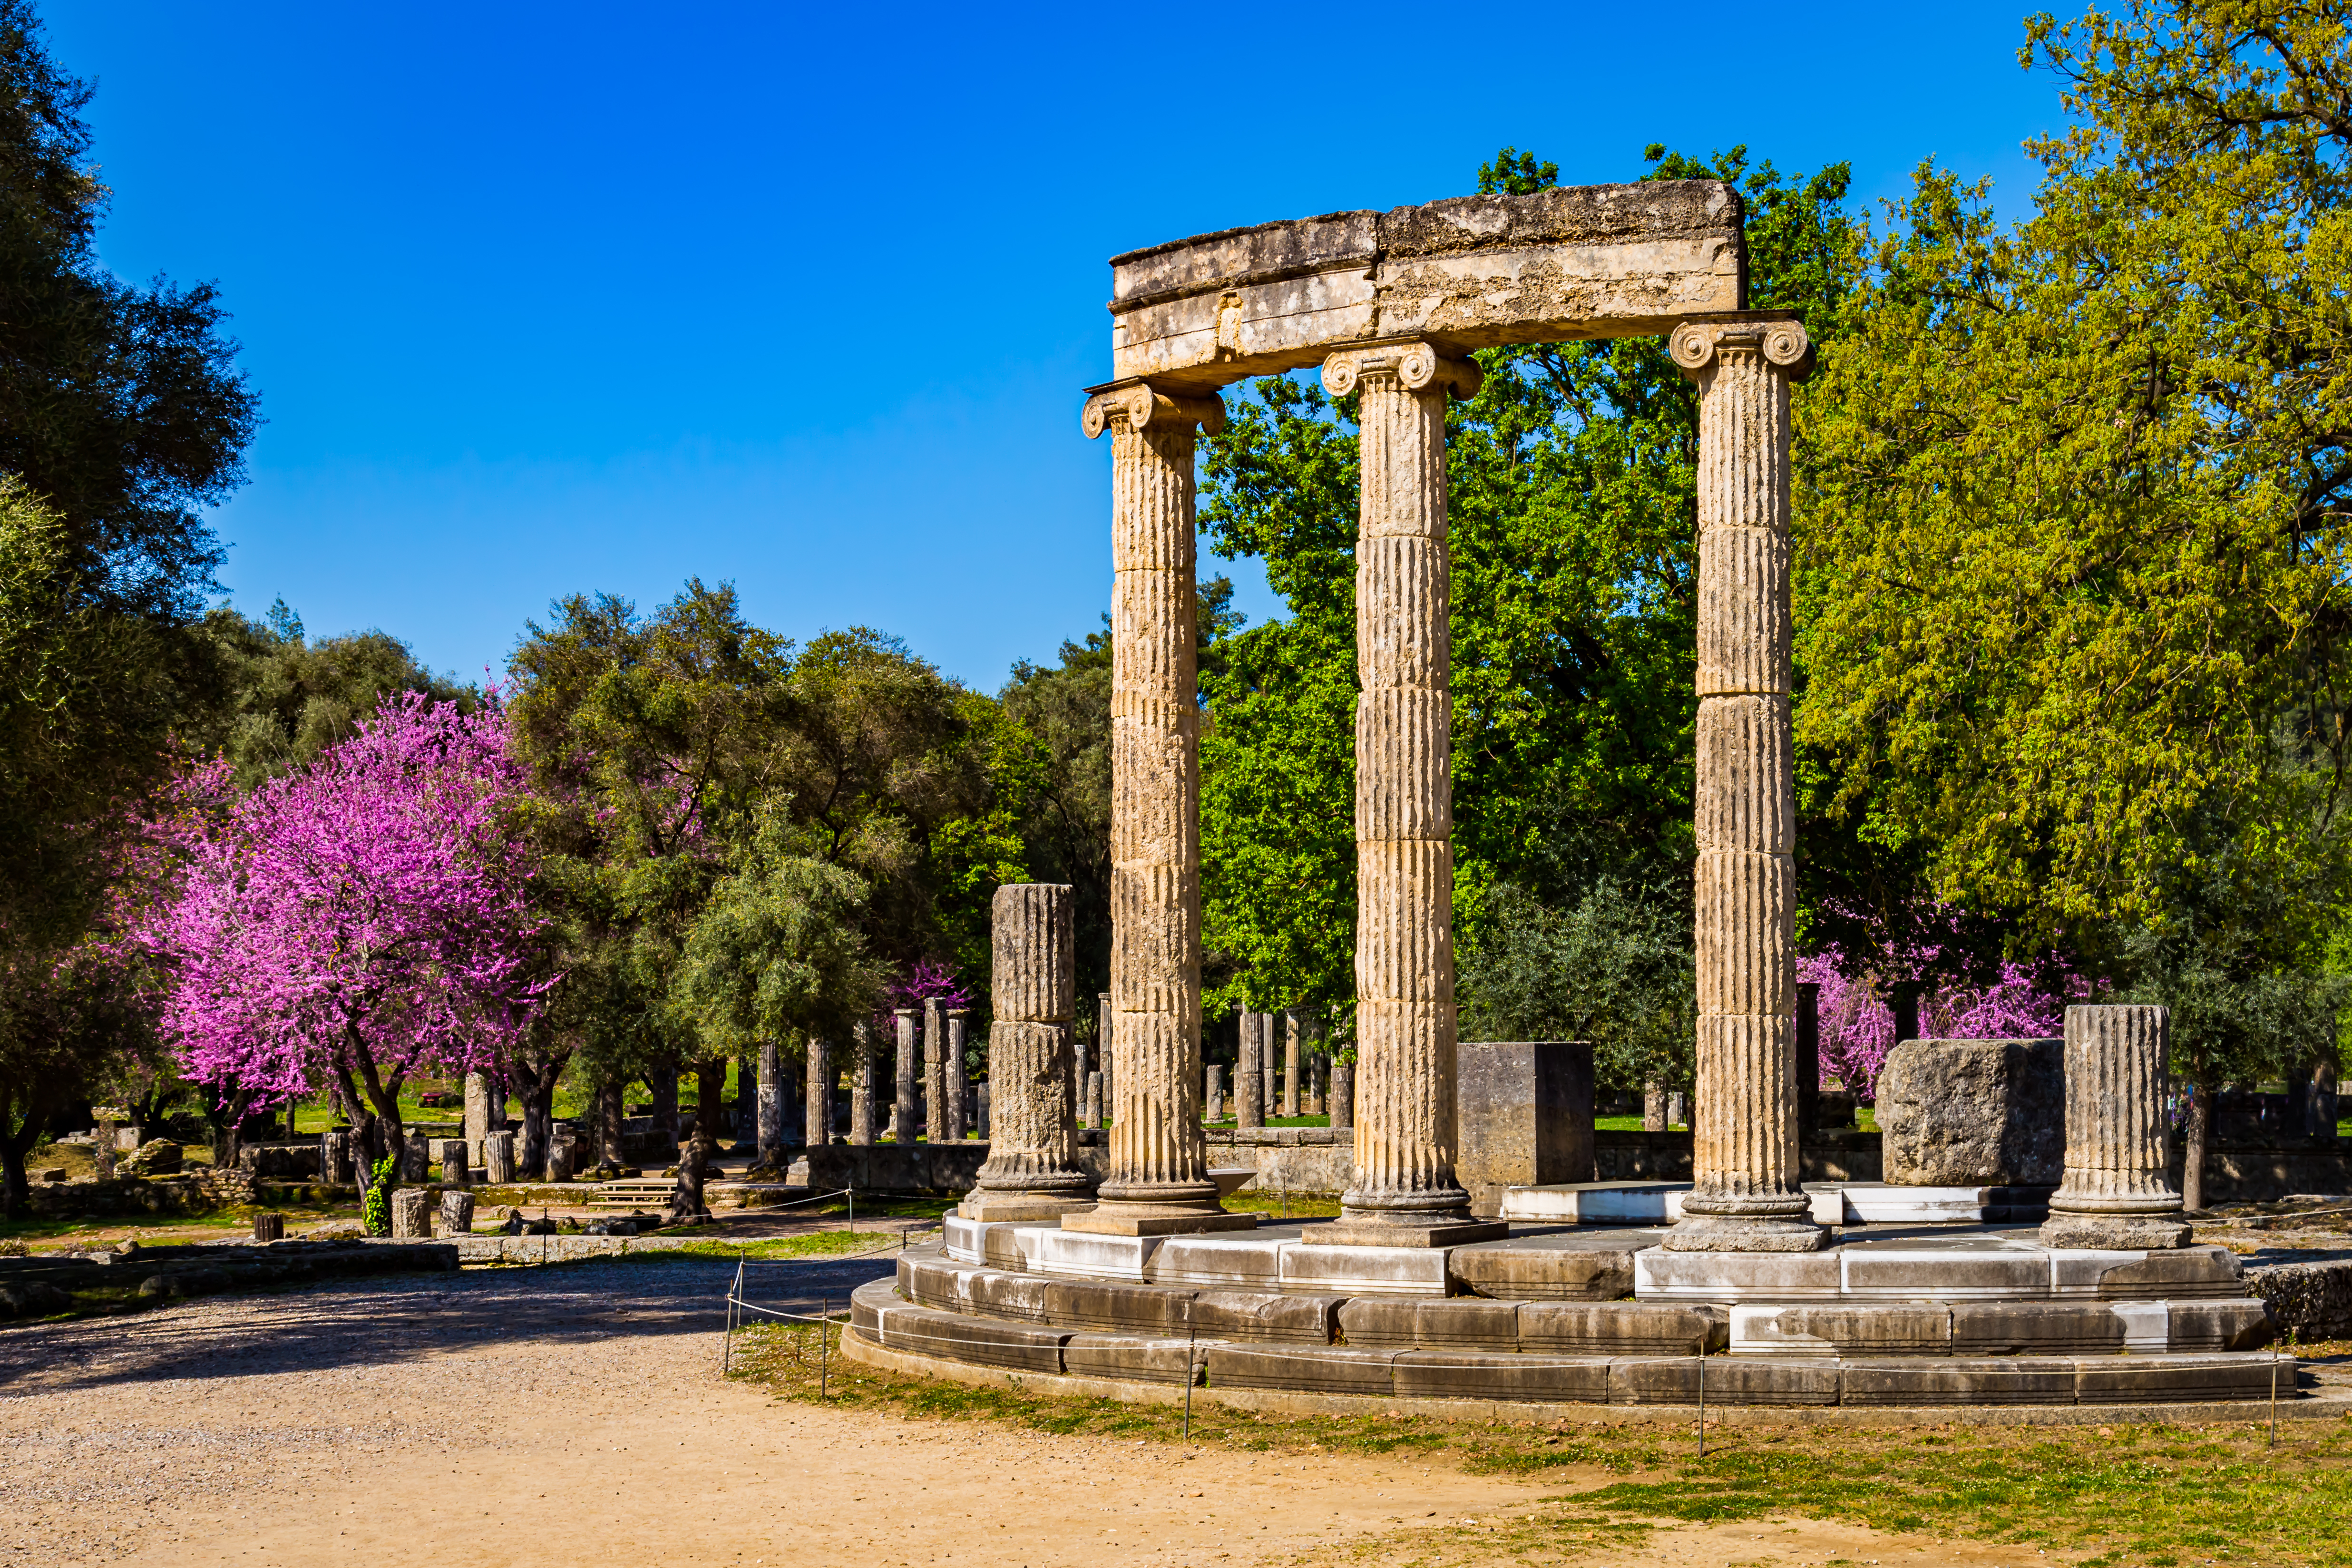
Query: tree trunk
{"points": [[16, 1142], [662, 1084], [226, 1123], [2192, 1154], [533, 1077], [685, 1199]]}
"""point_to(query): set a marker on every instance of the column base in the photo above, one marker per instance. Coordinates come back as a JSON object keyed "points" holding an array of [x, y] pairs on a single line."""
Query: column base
{"points": [[1355, 1231], [2114, 1232], [1712, 1233], [1021, 1206], [1154, 1219]]}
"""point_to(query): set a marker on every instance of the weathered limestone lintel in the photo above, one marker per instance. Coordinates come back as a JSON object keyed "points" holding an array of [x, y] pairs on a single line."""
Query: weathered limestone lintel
{"points": [[1590, 261]]}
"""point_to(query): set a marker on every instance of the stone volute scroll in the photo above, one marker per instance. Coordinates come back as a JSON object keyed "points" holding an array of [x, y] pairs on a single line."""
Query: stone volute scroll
{"points": [[1158, 1182], [1747, 1191], [1032, 1172], [1404, 1191]]}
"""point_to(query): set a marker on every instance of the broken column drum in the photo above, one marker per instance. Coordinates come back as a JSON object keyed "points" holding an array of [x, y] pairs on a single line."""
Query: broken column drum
{"points": [[1158, 1181], [1032, 1171], [1747, 1193], [2116, 1194]]}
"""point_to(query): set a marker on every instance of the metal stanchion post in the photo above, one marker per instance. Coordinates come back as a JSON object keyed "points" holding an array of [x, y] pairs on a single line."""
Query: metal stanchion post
{"points": [[1190, 1334], [2275, 1361], [823, 1347], [734, 1293], [1702, 1401]]}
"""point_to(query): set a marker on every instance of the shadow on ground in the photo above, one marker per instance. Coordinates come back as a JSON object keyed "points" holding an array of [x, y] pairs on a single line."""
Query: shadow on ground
{"points": [[391, 1318]]}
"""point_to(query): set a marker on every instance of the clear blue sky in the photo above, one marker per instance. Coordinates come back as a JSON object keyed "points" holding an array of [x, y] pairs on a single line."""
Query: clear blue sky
{"points": [[546, 298]]}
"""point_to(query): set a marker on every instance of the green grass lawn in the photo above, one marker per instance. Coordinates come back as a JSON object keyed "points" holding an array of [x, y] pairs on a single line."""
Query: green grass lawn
{"points": [[2165, 1495]]}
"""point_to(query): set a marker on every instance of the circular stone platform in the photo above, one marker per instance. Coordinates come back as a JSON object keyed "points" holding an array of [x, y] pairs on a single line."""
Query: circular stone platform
{"points": [[1929, 1317]]}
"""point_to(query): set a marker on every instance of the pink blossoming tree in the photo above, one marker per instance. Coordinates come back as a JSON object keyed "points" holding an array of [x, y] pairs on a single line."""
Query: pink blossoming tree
{"points": [[357, 921]]}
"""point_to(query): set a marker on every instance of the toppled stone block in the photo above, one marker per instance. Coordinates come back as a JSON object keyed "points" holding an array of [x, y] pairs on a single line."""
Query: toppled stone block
{"points": [[157, 1157], [1974, 1113]]}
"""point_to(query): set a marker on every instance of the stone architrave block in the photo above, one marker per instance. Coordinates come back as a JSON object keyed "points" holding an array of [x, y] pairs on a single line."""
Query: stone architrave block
{"points": [[411, 1214], [1974, 1113], [497, 1159], [1526, 1117]]}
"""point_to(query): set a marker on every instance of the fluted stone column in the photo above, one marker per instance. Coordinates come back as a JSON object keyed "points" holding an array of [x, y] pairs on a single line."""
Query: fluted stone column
{"points": [[1249, 1076], [770, 1091], [1213, 1106], [2116, 1194], [861, 1085], [1032, 1171], [959, 1078], [935, 1070], [1747, 1193], [819, 1124], [1403, 1192], [907, 1113], [1290, 1060], [1158, 1182]]}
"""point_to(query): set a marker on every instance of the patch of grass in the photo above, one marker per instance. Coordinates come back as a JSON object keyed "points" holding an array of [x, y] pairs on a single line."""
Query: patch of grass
{"points": [[815, 1244], [2112, 1494]]}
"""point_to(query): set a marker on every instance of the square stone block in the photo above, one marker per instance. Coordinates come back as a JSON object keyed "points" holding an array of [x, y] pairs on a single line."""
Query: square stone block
{"points": [[2220, 1325], [1942, 1273], [1618, 1328], [1755, 1380], [2146, 1325], [1089, 1256], [1121, 1309], [1019, 1297], [1596, 1203], [1526, 1269], [1257, 1316], [1910, 1330], [1297, 1368], [2180, 1379], [1364, 1270], [1459, 1374], [1960, 1380], [1876, 1203], [2035, 1328], [1661, 1275], [1974, 1112], [1526, 1117], [1464, 1323], [1378, 1322], [1221, 1262], [1172, 1361], [2174, 1273]]}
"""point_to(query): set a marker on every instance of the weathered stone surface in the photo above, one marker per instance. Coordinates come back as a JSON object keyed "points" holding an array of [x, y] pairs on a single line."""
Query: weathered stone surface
{"points": [[1526, 1117], [457, 1213], [1153, 1067], [2194, 1326], [1320, 1372], [1974, 1113], [1253, 1315], [411, 1213], [1619, 1328], [1516, 1273], [905, 1121], [2035, 1328], [2116, 1193], [1124, 1308], [1032, 1151], [1923, 1329], [1746, 1194], [1459, 1374], [1343, 1097], [1991, 1380], [497, 1157], [1173, 1361], [453, 1163], [935, 1070], [1001, 1295], [2310, 1300], [1469, 272], [1751, 1380], [2184, 1379]]}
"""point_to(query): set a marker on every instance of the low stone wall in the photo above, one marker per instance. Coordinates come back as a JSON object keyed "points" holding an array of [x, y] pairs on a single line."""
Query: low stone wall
{"points": [[2309, 1302], [51, 1283], [2236, 1174], [281, 1162]]}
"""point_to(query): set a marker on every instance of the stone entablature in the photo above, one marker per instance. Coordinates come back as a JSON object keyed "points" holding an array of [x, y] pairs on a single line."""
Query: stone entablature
{"points": [[1588, 261]]}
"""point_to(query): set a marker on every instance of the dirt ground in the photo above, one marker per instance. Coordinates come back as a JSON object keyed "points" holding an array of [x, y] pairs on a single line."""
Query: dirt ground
{"points": [[576, 1415]]}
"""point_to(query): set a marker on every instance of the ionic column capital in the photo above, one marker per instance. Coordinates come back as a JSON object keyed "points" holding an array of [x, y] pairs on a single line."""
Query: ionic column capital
{"points": [[1143, 405], [1416, 366], [1779, 338]]}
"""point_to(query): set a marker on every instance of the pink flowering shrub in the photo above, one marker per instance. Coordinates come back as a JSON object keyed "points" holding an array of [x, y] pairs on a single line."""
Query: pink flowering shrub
{"points": [[1857, 1016], [357, 921]]}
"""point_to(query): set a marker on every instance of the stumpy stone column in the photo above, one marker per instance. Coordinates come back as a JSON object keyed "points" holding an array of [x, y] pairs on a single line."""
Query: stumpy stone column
{"points": [[1404, 1193], [861, 1085], [1249, 1076], [1290, 1059], [497, 1159], [1032, 1171], [769, 1095], [820, 1093], [1747, 1195], [2115, 1194], [959, 1073], [1158, 1182], [1213, 1102], [903, 1124]]}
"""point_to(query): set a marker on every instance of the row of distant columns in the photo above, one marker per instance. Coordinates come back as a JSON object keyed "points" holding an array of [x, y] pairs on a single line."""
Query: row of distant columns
{"points": [[1404, 1190]]}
